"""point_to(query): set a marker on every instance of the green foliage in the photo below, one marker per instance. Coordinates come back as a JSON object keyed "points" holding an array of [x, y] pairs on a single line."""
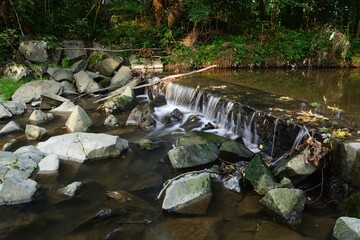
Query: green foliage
{"points": [[8, 87], [65, 62], [8, 39], [351, 206]]}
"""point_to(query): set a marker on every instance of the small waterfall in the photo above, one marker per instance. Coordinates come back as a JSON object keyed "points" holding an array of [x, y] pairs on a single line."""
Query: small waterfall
{"points": [[179, 95], [274, 137], [299, 138], [210, 109], [249, 134]]}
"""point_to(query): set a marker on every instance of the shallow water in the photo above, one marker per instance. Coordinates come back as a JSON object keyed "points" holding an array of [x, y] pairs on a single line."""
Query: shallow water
{"points": [[230, 215]]}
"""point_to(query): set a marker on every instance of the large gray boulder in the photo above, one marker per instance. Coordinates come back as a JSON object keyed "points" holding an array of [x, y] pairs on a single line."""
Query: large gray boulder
{"points": [[295, 168], [10, 127], [80, 147], [60, 74], [193, 155], [35, 51], [347, 228], [32, 91], [79, 66], [124, 102], [38, 117], [260, 176], [68, 106], [49, 101], [31, 153], [49, 164], [4, 112], [75, 50], [285, 203], [16, 108], [78, 120], [16, 71], [199, 137], [122, 77], [16, 190], [108, 65], [85, 83], [190, 194], [141, 116], [349, 166]]}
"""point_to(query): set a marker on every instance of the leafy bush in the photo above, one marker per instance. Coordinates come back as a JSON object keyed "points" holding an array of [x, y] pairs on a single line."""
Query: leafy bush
{"points": [[8, 87]]}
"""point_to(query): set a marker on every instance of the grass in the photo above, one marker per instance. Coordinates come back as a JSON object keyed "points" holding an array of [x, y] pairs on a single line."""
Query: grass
{"points": [[8, 86]]}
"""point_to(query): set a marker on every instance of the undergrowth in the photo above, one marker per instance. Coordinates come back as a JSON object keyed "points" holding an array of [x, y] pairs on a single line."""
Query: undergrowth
{"points": [[8, 86]]}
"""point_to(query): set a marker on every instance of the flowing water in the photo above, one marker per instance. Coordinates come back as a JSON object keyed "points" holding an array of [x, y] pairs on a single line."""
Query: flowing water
{"points": [[230, 215]]}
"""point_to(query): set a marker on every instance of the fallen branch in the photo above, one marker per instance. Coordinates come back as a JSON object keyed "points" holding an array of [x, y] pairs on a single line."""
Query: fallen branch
{"points": [[171, 77], [109, 50]]}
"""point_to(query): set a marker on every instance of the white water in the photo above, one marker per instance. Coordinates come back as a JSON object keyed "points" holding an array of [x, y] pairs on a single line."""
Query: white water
{"points": [[209, 108]]}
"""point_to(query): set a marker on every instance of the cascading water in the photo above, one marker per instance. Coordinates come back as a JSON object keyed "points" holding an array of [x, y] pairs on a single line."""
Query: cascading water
{"points": [[209, 108]]}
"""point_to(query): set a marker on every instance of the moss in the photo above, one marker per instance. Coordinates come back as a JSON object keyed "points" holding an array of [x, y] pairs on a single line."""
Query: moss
{"points": [[351, 206]]}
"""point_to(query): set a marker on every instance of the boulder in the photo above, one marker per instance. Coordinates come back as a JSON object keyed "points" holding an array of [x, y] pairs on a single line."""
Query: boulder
{"points": [[79, 66], [198, 137], [16, 108], [235, 151], [49, 164], [78, 120], [68, 106], [177, 115], [287, 204], [108, 65], [146, 144], [60, 74], [111, 120], [190, 194], [16, 190], [349, 166], [122, 77], [295, 168], [30, 153], [232, 183], [80, 147], [9, 128], [49, 101], [347, 228], [35, 51], [16, 71], [32, 91], [141, 116], [69, 88], [124, 102], [260, 176], [34, 132], [85, 83], [75, 50], [193, 155], [71, 190], [4, 112], [38, 117]]}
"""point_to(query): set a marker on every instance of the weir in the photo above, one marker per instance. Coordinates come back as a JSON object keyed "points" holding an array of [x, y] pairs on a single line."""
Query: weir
{"points": [[259, 130]]}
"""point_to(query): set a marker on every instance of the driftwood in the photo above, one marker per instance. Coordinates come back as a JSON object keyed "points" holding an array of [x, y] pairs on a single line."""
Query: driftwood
{"points": [[165, 79]]}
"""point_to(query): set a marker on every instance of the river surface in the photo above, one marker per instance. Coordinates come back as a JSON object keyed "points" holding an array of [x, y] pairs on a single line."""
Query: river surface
{"points": [[230, 215]]}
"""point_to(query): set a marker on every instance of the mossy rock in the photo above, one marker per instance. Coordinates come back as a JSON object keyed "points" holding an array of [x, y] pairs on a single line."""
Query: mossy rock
{"points": [[351, 205], [199, 137]]}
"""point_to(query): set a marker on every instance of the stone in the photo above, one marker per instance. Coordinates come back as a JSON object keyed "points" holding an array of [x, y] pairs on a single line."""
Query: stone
{"points": [[235, 151], [146, 144], [295, 168], [4, 113], [177, 115], [111, 121], [49, 164], [69, 88], [76, 50], [61, 74], [16, 71], [34, 132], [80, 146], [9, 128], [145, 65], [127, 232], [198, 137], [108, 65], [16, 108], [38, 117], [287, 204], [49, 101], [68, 106], [130, 201], [139, 115], [16, 190], [85, 83], [31, 153], [78, 120], [232, 183], [349, 166], [71, 190], [193, 155], [124, 102], [190, 194], [9, 145], [260, 176], [35, 51], [122, 77], [347, 228], [79, 66], [32, 91]]}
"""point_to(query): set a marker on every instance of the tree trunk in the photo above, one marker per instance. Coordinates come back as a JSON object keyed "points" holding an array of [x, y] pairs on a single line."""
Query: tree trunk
{"points": [[5, 11], [158, 8], [358, 29]]}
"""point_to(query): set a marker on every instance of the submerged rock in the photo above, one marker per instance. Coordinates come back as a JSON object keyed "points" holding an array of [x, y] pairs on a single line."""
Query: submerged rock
{"points": [[111, 120], [16, 189], [146, 144], [78, 120], [190, 194], [347, 228], [32, 91], [193, 155], [285, 203], [80, 146], [71, 190]]}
